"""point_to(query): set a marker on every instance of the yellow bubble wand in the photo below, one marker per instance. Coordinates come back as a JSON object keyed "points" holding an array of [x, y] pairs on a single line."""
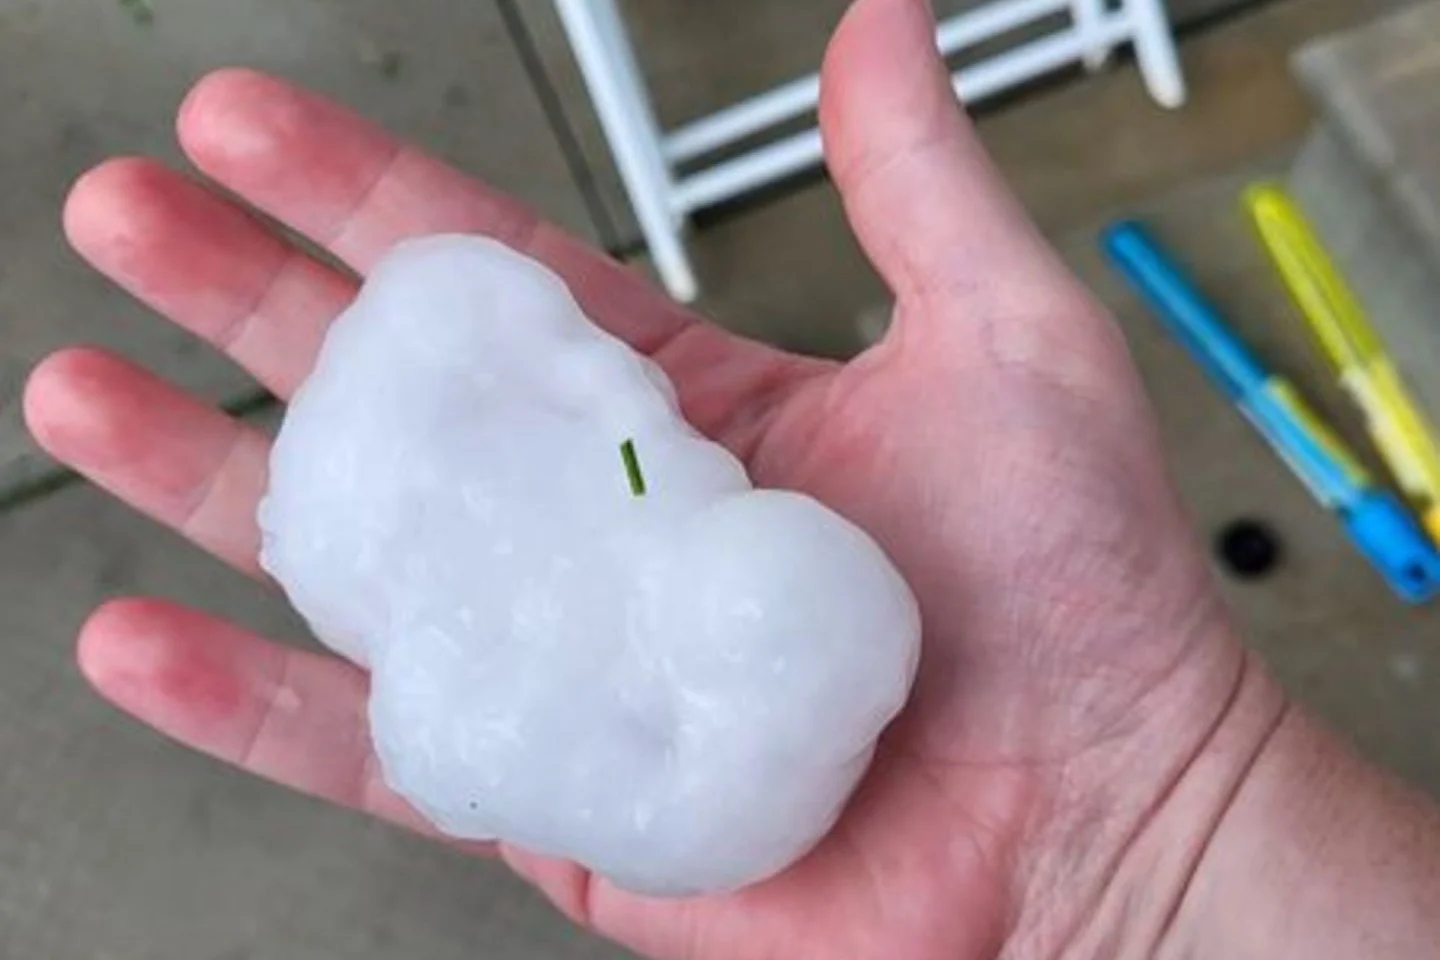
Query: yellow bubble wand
{"points": [[1335, 317]]}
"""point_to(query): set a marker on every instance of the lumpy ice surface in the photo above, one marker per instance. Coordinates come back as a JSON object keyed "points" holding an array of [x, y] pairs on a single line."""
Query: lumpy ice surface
{"points": [[678, 689]]}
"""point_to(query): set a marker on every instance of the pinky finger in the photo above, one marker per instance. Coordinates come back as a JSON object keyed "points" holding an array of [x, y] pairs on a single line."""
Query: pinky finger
{"points": [[286, 715]]}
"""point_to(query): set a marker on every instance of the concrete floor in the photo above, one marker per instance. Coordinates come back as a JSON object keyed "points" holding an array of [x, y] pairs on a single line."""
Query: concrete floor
{"points": [[116, 844]]}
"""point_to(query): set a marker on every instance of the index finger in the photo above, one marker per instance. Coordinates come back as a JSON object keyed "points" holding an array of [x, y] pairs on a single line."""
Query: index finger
{"points": [[356, 190]]}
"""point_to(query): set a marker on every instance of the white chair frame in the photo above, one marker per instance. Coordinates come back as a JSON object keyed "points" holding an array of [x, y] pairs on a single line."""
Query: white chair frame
{"points": [[649, 158]]}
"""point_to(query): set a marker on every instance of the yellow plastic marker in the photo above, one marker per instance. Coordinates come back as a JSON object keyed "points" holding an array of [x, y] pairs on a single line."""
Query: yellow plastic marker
{"points": [[1398, 428]]}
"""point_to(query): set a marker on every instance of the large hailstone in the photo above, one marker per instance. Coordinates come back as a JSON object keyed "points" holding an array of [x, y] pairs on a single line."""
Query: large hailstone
{"points": [[677, 688]]}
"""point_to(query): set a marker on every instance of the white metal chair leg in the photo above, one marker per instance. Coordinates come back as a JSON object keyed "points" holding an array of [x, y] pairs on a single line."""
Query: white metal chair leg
{"points": [[621, 53], [606, 61], [1089, 17], [1155, 52]]}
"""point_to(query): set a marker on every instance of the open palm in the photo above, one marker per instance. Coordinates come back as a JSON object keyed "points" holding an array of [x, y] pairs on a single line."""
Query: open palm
{"points": [[996, 443]]}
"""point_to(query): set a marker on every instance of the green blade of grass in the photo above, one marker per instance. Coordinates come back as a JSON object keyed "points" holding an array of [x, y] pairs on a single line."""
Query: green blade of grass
{"points": [[632, 468]]}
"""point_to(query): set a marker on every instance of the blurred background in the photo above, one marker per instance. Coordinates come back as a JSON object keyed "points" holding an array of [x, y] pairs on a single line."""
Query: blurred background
{"points": [[117, 845]]}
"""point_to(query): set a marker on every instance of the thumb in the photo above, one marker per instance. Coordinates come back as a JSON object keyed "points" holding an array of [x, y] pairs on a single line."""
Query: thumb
{"points": [[929, 207]]}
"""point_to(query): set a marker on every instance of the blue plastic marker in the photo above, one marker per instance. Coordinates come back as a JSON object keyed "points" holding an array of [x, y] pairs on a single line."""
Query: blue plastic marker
{"points": [[1376, 520]]}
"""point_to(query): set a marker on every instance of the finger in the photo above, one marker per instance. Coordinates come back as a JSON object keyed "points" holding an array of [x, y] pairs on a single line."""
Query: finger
{"points": [[208, 265], [155, 447], [929, 207], [286, 715], [354, 189]]}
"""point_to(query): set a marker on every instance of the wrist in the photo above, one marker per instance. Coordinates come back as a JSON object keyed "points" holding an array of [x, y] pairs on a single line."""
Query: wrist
{"points": [[1145, 811], [1320, 855]]}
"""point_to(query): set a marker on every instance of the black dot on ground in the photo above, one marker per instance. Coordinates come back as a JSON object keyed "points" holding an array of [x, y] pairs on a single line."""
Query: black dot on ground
{"points": [[1249, 549]]}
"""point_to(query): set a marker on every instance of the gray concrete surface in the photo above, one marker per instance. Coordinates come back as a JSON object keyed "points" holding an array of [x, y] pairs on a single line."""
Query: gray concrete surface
{"points": [[1379, 87], [115, 844]]}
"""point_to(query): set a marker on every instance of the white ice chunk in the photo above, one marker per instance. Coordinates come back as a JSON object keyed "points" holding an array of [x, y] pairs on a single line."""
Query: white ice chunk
{"points": [[678, 689]]}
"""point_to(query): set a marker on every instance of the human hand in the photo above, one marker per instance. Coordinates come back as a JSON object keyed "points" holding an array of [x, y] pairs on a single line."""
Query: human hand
{"points": [[1050, 787]]}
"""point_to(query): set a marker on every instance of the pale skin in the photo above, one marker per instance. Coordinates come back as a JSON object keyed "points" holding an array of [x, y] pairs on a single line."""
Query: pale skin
{"points": [[1091, 765]]}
